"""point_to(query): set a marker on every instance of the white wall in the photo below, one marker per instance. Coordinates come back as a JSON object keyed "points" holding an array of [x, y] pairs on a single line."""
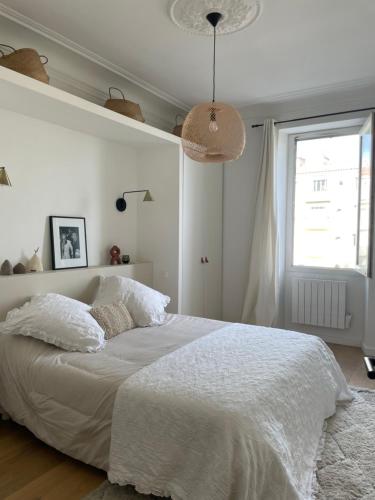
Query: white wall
{"points": [[368, 342], [30, 169], [240, 194], [56, 171], [78, 75], [158, 222], [240, 187]]}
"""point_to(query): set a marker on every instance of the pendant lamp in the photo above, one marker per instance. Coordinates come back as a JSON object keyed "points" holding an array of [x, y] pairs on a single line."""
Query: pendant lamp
{"points": [[213, 132]]}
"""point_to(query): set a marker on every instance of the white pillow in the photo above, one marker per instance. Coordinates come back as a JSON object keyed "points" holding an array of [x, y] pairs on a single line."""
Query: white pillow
{"points": [[145, 304], [57, 320]]}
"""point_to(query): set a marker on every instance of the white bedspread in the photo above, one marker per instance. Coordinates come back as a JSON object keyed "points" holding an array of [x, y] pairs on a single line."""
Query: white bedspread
{"points": [[66, 398], [235, 415]]}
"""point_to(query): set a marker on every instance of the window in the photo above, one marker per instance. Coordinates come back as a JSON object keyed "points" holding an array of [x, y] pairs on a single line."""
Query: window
{"points": [[332, 199]]}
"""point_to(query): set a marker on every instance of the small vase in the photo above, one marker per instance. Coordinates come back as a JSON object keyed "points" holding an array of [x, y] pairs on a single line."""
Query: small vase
{"points": [[6, 268], [35, 264]]}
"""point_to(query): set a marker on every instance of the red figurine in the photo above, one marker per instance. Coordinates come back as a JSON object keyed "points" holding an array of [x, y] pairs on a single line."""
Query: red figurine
{"points": [[115, 255]]}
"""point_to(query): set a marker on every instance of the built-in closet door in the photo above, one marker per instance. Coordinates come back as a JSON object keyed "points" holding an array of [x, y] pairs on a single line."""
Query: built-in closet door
{"points": [[201, 287]]}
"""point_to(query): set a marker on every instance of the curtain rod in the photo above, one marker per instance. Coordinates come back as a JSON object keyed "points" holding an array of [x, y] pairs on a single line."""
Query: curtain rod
{"points": [[316, 116]]}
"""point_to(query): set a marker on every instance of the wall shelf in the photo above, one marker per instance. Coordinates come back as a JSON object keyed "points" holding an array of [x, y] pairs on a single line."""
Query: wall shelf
{"points": [[35, 99], [105, 269]]}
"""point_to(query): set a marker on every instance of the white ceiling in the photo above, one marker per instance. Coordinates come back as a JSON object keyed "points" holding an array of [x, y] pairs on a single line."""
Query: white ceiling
{"points": [[296, 46]]}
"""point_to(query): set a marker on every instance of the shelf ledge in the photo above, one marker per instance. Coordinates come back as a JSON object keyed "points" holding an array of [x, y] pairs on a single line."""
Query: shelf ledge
{"points": [[25, 95]]}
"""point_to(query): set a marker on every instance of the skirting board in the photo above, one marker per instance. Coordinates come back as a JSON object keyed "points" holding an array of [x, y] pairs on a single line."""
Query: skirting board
{"points": [[79, 284], [340, 340], [341, 337]]}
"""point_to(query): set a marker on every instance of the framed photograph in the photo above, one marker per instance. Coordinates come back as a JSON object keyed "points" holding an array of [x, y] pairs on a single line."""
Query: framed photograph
{"points": [[68, 242]]}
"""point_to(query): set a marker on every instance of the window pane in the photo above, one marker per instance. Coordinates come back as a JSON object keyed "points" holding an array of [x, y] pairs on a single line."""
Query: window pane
{"points": [[326, 201]]}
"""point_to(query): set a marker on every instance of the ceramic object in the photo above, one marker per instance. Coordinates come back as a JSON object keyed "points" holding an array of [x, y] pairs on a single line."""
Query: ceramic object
{"points": [[19, 269], [35, 264], [125, 259], [115, 255], [6, 268]]}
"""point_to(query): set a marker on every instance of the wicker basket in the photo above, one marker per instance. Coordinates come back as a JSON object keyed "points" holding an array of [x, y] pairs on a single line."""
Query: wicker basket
{"points": [[124, 107], [177, 130], [25, 61]]}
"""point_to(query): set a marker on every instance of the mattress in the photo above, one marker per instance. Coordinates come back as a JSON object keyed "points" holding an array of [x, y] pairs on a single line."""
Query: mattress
{"points": [[66, 398]]}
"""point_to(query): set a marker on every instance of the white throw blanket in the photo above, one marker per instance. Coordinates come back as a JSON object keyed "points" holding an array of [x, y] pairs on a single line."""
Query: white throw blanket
{"points": [[235, 415]]}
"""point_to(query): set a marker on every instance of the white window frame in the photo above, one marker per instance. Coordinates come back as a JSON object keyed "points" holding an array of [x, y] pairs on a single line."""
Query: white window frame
{"points": [[290, 202]]}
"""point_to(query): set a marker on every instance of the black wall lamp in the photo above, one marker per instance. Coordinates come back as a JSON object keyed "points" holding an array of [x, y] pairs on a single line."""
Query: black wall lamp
{"points": [[121, 202]]}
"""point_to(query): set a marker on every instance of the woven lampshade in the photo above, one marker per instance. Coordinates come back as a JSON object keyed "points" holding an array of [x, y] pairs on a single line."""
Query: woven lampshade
{"points": [[213, 133]]}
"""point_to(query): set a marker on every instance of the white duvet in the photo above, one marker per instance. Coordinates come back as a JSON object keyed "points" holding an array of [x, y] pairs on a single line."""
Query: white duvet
{"points": [[234, 415], [66, 398]]}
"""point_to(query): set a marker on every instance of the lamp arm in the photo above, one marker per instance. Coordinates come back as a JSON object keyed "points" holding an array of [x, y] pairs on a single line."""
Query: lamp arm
{"points": [[135, 191]]}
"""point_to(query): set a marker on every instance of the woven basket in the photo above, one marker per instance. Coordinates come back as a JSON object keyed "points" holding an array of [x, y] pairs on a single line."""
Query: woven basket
{"points": [[124, 107], [177, 130], [25, 61]]}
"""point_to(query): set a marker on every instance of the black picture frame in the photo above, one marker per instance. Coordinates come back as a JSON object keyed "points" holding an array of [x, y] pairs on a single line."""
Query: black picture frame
{"points": [[68, 242]]}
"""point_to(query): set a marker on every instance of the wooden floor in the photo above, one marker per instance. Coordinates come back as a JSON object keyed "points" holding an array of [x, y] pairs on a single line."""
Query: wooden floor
{"points": [[31, 470], [351, 361]]}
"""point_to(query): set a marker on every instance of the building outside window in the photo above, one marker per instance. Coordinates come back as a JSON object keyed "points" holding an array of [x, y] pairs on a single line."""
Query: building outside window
{"points": [[325, 218]]}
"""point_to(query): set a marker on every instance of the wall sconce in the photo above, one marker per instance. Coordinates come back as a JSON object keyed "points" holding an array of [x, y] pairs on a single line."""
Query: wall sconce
{"points": [[121, 202], [4, 179]]}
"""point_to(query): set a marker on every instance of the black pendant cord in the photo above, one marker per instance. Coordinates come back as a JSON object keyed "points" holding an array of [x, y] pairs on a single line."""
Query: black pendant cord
{"points": [[214, 68], [213, 18], [317, 116]]}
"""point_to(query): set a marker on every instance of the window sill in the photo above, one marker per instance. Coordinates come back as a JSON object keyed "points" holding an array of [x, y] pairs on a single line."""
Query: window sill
{"points": [[326, 271]]}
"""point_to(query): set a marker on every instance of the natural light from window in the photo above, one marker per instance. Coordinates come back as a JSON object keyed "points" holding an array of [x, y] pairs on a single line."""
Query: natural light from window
{"points": [[326, 202]]}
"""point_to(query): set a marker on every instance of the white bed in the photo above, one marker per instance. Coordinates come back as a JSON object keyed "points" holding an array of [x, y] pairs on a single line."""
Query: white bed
{"points": [[66, 398], [196, 409]]}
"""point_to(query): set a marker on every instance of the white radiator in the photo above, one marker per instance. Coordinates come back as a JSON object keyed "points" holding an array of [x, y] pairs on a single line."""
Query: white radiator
{"points": [[319, 303]]}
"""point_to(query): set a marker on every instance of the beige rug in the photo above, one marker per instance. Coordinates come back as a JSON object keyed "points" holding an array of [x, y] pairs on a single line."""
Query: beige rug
{"points": [[346, 470]]}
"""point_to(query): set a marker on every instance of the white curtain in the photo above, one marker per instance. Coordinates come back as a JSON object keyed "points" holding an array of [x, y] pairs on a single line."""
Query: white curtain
{"points": [[261, 300]]}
